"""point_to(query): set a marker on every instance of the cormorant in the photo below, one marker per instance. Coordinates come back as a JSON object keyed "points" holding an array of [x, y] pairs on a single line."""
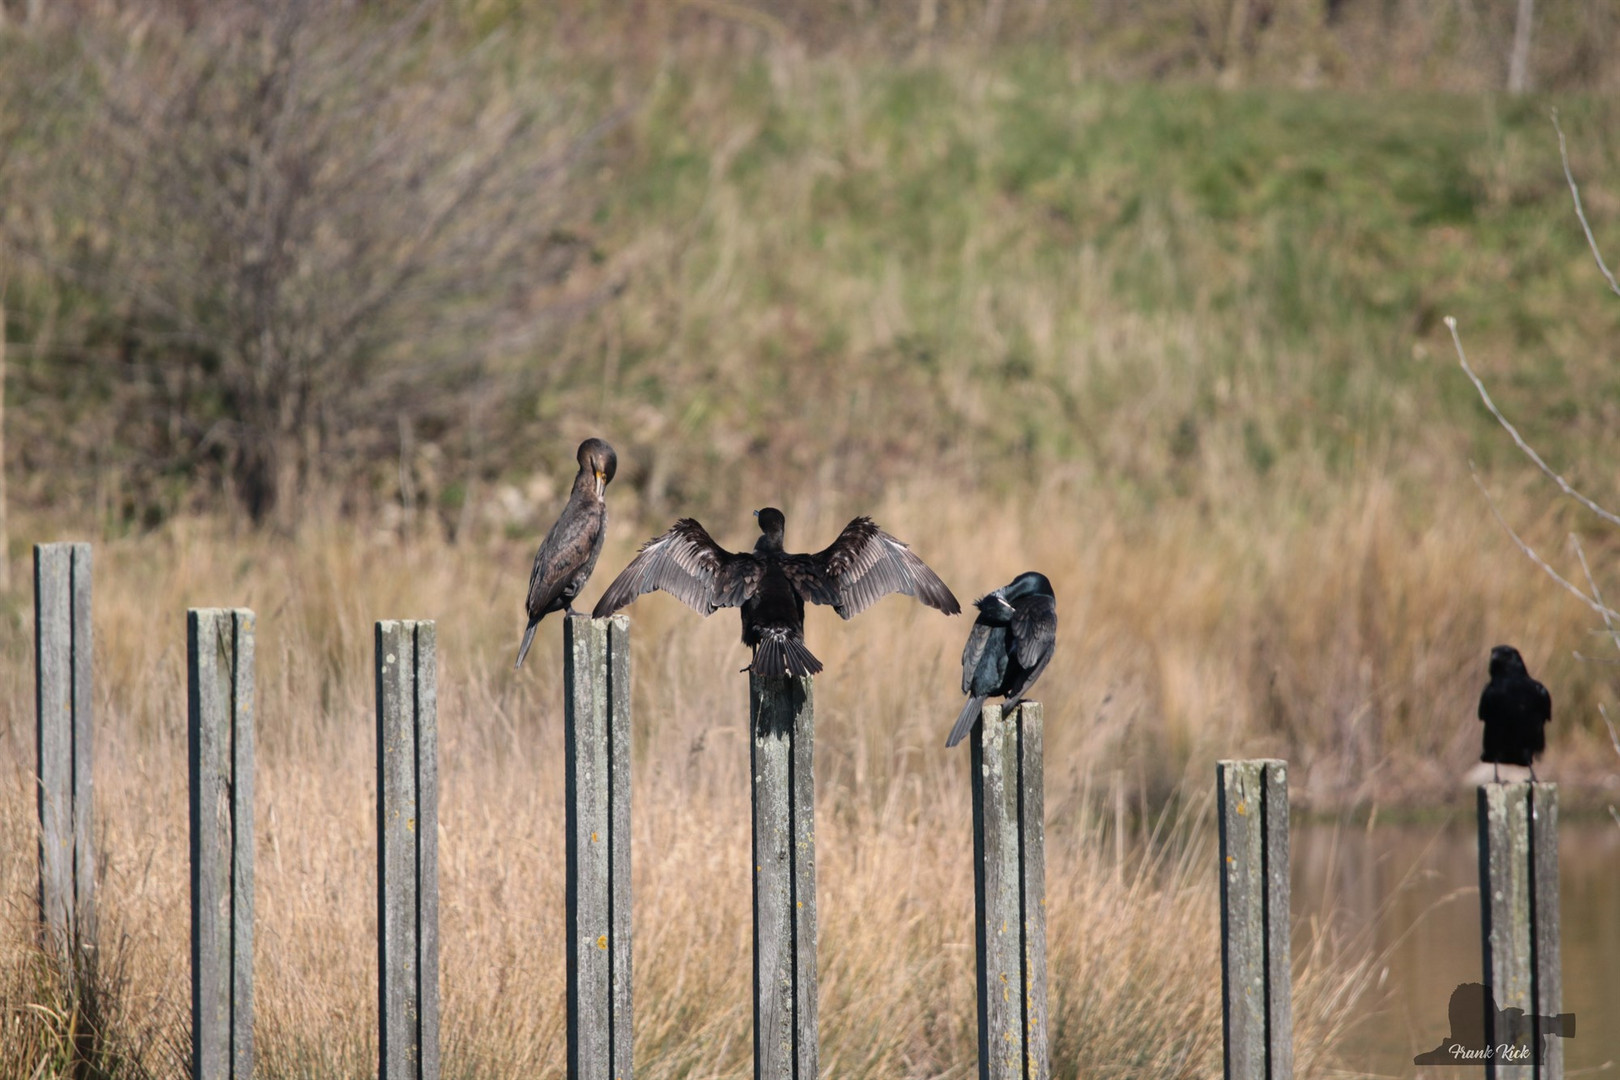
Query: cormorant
{"points": [[861, 567], [568, 553], [1008, 648], [1515, 709]]}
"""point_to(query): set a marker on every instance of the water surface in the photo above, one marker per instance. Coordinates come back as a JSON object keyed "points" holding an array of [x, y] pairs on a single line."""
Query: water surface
{"points": [[1409, 894]]}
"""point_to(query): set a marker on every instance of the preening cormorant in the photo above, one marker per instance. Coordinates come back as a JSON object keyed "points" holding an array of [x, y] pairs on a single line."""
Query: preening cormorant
{"points": [[771, 586], [1515, 709], [568, 553], [1008, 648]]}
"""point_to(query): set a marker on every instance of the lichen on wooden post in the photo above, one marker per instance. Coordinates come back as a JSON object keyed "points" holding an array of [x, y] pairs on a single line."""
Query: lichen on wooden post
{"points": [[219, 655], [782, 728], [1009, 875], [1518, 899], [1256, 985], [596, 726], [407, 850], [62, 696]]}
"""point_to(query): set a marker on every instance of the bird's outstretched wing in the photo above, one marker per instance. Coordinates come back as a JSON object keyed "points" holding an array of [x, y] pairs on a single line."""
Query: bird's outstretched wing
{"points": [[686, 563], [861, 567], [1034, 630]]}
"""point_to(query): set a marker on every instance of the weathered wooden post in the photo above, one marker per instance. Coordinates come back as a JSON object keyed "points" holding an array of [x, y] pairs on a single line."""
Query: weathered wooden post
{"points": [[407, 851], [1009, 877], [1256, 987], [219, 693], [596, 737], [1518, 902], [781, 716], [62, 687]]}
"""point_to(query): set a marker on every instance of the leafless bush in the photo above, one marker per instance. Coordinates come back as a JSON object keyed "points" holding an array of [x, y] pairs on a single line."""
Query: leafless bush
{"points": [[324, 222]]}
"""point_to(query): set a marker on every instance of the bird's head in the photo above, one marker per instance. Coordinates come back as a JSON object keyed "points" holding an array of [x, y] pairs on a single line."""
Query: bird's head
{"points": [[1029, 583], [1505, 660], [597, 459], [772, 525]]}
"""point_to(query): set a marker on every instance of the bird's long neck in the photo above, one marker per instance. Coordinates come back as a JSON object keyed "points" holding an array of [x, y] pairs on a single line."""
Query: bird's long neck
{"points": [[585, 487], [769, 542]]}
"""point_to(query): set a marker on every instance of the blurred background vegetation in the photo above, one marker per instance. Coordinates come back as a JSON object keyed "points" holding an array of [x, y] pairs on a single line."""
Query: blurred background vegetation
{"points": [[401, 254]]}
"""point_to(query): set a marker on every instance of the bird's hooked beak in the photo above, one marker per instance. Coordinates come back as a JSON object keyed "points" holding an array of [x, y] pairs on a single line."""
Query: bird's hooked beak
{"points": [[756, 513], [601, 483]]}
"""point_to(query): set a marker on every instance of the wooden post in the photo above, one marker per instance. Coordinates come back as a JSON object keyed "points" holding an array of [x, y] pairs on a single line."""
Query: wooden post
{"points": [[1256, 990], [1009, 877], [219, 655], [62, 652], [1518, 900], [407, 851], [781, 718], [596, 738]]}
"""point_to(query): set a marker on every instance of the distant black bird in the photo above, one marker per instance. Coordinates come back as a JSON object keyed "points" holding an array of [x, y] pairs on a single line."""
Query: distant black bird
{"points": [[1515, 709], [1008, 648], [861, 567], [568, 553]]}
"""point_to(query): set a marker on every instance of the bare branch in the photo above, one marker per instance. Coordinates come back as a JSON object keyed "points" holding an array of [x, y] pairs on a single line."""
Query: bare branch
{"points": [[1608, 623], [1603, 610], [1580, 212], [1529, 451]]}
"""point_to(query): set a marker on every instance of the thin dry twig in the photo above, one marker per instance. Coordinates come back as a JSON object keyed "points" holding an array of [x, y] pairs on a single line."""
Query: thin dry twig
{"points": [[1591, 582], [1530, 553], [1529, 451], [1580, 211]]}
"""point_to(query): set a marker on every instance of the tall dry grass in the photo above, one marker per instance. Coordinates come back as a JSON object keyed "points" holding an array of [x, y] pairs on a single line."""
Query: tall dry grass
{"points": [[1182, 639]]}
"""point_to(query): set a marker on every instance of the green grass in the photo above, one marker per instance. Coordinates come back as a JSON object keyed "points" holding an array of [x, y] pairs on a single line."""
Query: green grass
{"points": [[1275, 262]]}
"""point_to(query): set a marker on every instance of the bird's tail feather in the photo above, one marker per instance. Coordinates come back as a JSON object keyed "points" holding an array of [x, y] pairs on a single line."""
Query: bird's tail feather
{"points": [[528, 639], [964, 722], [778, 654]]}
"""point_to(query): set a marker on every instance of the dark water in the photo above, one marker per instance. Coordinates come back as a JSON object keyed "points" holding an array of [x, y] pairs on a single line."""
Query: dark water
{"points": [[1409, 896]]}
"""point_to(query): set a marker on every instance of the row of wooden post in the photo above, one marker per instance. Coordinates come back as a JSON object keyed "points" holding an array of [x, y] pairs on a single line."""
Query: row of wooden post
{"points": [[1518, 859]]}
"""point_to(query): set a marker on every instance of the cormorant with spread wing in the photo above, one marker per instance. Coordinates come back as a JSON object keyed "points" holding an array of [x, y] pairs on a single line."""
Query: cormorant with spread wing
{"points": [[1515, 709], [568, 553], [1008, 648], [861, 567]]}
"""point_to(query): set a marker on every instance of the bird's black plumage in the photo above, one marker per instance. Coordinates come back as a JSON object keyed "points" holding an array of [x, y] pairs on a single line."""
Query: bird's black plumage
{"points": [[1009, 646], [568, 553], [1515, 709], [771, 585]]}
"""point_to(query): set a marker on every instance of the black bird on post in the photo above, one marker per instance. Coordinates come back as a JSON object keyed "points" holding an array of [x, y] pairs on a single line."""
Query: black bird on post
{"points": [[1515, 709], [1008, 648], [771, 585], [568, 553]]}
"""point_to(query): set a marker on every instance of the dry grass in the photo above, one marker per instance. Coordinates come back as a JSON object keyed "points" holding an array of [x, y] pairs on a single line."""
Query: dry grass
{"points": [[1182, 640]]}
